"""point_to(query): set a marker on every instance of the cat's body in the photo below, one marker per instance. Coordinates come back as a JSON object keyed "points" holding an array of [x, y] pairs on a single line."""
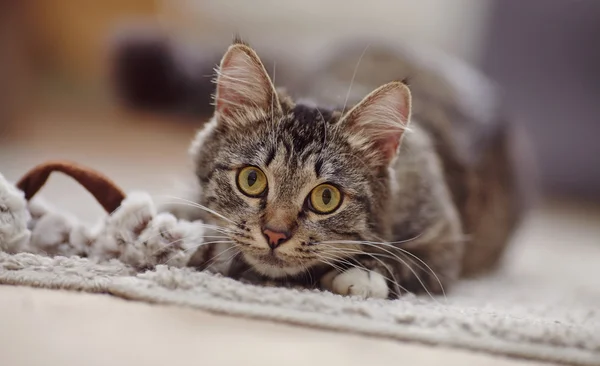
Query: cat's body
{"points": [[384, 220], [486, 159]]}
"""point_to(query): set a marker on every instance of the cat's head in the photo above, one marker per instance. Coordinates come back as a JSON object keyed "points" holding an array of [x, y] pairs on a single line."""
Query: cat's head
{"points": [[293, 185]]}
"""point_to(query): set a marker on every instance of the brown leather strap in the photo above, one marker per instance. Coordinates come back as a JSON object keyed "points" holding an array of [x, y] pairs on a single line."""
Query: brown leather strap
{"points": [[106, 192]]}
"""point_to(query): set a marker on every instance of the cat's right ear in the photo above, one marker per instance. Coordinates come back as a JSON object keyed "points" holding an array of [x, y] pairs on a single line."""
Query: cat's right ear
{"points": [[244, 89]]}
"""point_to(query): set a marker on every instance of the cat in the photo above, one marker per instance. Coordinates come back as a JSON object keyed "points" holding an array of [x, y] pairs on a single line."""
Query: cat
{"points": [[364, 200]]}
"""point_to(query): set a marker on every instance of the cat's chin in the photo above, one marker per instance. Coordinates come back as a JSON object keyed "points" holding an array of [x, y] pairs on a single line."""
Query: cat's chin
{"points": [[273, 267]]}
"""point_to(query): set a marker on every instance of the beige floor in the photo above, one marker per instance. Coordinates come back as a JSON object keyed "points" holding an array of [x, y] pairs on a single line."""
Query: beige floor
{"points": [[42, 327]]}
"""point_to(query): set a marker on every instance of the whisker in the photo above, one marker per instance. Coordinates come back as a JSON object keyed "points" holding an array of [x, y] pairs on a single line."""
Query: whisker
{"points": [[193, 247], [334, 266], [381, 246], [373, 242], [353, 77], [359, 251], [369, 243], [389, 244], [374, 256], [169, 231], [406, 252], [212, 261], [412, 271], [210, 242], [361, 266], [221, 229], [202, 207], [394, 281]]}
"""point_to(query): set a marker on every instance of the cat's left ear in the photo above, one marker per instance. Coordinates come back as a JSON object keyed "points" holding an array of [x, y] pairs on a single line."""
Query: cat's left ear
{"points": [[243, 86], [379, 121]]}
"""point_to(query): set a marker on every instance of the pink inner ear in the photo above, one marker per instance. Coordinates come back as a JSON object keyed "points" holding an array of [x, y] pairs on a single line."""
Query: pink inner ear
{"points": [[227, 96], [389, 145], [382, 118], [242, 82]]}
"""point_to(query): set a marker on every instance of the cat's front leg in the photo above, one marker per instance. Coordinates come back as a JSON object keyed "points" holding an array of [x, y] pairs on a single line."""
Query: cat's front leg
{"points": [[359, 282], [429, 269]]}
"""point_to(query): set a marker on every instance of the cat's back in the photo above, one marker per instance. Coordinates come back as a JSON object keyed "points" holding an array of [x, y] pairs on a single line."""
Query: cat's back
{"points": [[481, 167]]}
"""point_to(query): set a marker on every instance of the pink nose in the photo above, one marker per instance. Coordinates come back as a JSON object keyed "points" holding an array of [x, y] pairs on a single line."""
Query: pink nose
{"points": [[275, 238]]}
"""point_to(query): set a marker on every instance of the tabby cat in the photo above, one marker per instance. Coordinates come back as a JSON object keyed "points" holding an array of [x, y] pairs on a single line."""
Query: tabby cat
{"points": [[361, 200]]}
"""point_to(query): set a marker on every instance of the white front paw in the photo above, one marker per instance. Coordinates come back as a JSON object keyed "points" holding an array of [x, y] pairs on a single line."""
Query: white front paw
{"points": [[360, 283]]}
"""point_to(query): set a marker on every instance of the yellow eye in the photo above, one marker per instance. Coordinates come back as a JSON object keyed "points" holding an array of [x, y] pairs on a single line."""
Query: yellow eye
{"points": [[252, 181], [325, 199]]}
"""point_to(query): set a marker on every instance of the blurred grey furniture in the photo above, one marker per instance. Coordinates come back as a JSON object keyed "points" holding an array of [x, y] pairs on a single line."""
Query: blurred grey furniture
{"points": [[546, 54]]}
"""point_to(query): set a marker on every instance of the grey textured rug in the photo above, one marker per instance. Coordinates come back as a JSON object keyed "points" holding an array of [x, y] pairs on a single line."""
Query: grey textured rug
{"points": [[544, 305]]}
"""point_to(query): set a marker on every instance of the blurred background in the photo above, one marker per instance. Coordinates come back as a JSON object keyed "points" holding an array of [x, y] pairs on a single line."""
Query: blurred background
{"points": [[122, 85]]}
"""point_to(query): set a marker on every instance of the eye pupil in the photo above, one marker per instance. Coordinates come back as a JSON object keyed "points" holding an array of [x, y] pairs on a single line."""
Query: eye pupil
{"points": [[252, 178], [326, 196]]}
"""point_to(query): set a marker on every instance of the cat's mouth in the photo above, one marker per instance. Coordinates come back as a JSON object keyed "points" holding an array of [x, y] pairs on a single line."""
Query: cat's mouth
{"points": [[272, 258], [274, 264]]}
